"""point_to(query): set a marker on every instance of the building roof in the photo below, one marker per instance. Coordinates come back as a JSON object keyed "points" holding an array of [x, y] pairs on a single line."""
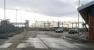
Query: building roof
{"points": [[86, 5], [85, 11]]}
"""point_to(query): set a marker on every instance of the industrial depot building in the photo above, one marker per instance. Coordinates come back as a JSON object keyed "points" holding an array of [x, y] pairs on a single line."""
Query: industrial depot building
{"points": [[87, 13]]}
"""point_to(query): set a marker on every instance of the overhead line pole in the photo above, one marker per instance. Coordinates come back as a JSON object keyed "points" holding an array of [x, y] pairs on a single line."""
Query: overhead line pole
{"points": [[5, 12], [4, 9], [78, 16], [16, 14]]}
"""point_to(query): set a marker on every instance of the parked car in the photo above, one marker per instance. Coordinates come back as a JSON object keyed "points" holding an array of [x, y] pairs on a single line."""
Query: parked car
{"points": [[73, 31], [59, 30]]}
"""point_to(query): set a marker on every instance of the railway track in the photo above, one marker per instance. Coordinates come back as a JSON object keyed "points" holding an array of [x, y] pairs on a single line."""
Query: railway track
{"points": [[44, 42]]}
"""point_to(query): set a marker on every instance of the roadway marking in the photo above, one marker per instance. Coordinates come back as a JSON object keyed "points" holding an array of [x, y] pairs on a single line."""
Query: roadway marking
{"points": [[5, 45], [22, 45]]}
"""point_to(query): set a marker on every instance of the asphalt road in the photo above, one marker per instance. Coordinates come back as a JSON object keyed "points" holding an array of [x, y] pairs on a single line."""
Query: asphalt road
{"points": [[42, 40]]}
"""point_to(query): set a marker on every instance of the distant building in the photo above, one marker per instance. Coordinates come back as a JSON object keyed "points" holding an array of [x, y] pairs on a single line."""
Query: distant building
{"points": [[44, 24]]}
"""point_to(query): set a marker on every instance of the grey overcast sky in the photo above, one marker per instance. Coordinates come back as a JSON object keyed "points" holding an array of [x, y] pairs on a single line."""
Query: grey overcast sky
{"points": [[45, 7]]}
